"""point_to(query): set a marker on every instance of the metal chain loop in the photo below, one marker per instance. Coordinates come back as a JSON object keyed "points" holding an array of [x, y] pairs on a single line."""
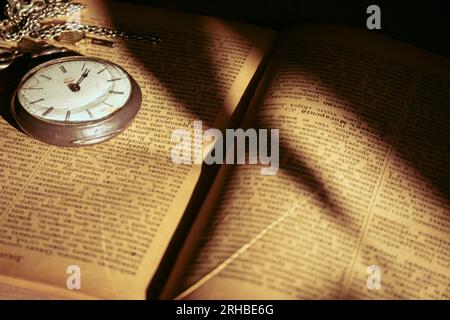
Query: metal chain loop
{"points": [[24, 19]]}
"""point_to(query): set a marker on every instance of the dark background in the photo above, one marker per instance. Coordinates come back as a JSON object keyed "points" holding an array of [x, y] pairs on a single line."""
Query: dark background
{"points": [[425, 24]]}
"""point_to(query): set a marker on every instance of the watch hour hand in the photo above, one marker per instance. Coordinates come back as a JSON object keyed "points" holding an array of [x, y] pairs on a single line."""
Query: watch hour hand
{"points": [[84, 75], [76, 86]]}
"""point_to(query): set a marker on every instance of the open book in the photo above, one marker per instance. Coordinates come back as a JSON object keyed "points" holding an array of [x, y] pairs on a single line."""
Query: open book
{"points": [[362, 188]]}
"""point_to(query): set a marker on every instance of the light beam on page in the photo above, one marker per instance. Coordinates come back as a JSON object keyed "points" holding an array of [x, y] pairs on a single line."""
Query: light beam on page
{"points": [[235, 255]]}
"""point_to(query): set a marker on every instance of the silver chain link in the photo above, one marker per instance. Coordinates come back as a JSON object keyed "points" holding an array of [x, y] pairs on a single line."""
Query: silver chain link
{"points": [[24, 19]]}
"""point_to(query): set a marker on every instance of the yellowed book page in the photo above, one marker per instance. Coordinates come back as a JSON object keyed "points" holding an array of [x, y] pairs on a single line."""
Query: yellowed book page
{"points": [[360, 206], [112, 208]]}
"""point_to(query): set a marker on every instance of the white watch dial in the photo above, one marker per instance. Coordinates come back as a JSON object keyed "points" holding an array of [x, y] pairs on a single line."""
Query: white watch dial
{"points": [[75, 90]]}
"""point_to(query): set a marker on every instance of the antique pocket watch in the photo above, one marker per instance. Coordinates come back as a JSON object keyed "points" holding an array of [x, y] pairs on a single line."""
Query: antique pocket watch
{"points": [[75, 101], [72, 100]]}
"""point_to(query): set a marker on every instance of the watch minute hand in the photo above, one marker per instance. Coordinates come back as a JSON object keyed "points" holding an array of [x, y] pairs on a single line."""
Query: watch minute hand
{"points": [[83, 75]]}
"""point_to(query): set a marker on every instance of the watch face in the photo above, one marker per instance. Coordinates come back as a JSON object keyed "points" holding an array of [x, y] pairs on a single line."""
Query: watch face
{"points": [[74, 90]]}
